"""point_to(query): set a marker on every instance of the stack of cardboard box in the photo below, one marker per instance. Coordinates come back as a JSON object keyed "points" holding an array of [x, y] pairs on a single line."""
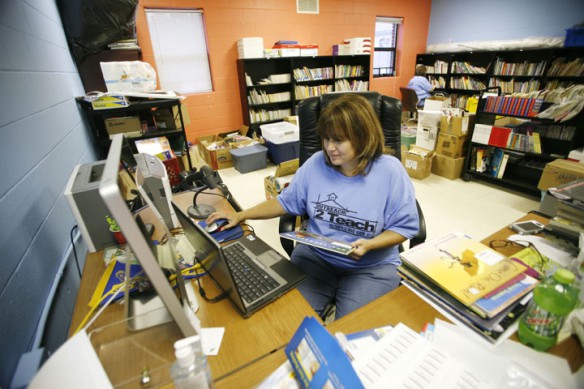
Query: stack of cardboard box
{"points": [[452, 144], [417, 159]]}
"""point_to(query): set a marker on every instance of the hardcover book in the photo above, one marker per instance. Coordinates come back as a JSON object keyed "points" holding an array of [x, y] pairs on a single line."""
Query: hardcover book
{"points": [[465, 268]]}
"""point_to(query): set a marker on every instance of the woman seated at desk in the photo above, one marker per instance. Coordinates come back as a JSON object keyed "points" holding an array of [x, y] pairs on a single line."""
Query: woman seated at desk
{"points": [[352, 192], [421, 85]]}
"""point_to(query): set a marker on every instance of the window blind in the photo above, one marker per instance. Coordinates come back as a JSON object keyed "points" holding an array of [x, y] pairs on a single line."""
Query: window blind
{"points": [[180, 50]]}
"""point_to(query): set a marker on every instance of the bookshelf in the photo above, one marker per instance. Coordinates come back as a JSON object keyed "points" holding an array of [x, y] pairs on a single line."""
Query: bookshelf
{"points": [[162, 117], [270, 88], [511, 155], [464, 74]]}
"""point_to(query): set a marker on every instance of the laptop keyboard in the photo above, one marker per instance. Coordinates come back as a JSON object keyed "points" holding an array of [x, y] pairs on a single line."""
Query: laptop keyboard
{"points": [[252, 282]]}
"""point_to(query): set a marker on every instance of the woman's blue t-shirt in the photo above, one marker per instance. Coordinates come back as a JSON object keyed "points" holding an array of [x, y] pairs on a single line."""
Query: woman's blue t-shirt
{"points": [[348, 208]]}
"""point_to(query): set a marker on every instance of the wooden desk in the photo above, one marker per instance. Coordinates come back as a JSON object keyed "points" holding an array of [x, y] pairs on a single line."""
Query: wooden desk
{"points": [[570, 349], [400, 305], [245, 340]]}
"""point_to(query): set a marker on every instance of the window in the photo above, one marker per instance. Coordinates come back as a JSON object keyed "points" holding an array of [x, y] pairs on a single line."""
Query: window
{"points": [[385, 44], [180, 50]]}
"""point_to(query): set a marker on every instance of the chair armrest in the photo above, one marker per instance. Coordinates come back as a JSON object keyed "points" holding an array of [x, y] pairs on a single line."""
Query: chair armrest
{"points": [[421, 235], [287, 224]]}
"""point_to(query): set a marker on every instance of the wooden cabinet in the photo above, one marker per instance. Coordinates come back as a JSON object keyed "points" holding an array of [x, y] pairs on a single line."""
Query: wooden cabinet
{"points": [[270, 88], [465, 74], [148, 118]]}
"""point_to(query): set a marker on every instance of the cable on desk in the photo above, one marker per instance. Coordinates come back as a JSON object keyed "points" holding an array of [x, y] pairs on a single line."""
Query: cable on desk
{"points": [[114, 291], [250, 227], [202, 292], [75, 250]]}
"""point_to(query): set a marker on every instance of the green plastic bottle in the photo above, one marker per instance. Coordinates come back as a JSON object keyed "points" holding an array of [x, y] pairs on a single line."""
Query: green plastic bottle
{"points": [[553, 300]]}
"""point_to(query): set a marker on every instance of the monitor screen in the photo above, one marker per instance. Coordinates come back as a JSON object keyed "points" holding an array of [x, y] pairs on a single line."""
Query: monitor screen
{"points": [[111, 193]]}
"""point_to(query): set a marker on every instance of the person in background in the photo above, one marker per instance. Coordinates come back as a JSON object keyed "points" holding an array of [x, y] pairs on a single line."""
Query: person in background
{"points": [[421, 85], [351, 191]]}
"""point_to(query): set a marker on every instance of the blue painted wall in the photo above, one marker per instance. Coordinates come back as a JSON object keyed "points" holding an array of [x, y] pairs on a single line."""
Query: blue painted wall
{"points": [[42, 138], [480, 20]]}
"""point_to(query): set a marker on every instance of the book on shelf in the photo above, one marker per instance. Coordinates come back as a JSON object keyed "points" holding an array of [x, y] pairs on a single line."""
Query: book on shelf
{"points": [[503, 165], [481, 133], [496, 162], [516, 106], [462, 266], [499, 136], [482, 159]]}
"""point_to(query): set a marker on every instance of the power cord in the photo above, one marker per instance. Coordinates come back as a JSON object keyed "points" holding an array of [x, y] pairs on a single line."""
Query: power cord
{"points": [[202, 292], [74, 249]]}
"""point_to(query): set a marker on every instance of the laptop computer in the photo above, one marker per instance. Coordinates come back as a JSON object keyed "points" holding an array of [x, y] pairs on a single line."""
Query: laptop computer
{"points": [[277, 274]]}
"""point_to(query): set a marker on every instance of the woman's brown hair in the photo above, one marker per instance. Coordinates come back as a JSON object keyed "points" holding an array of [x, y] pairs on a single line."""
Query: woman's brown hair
{"points": [[351, 117]]}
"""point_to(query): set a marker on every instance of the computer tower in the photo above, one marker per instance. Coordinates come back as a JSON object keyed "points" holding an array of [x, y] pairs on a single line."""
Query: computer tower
{"points": [[82, 194], [151, 175]]}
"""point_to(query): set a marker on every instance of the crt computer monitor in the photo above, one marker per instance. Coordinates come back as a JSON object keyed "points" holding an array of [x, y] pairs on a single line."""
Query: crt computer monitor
{"points": [[110, 190]]}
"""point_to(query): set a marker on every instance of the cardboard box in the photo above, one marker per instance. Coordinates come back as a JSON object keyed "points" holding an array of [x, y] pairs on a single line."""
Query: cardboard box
{"points": [[215, 151], [447, 167], [126, 125], [427, 129], [452, 146], [288, 50], [507, 121], [273, 185], [436, 103], [418, 162], [456, 125], [308, 50], [560, 172]]}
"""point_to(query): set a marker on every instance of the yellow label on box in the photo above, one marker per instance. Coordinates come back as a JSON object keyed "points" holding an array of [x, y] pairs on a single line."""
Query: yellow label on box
{"points": [[107, 102]]}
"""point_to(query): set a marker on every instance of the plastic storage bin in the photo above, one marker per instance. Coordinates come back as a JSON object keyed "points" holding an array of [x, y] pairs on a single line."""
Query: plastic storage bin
{"points": [[408, 137], [574, 37], [280, 132], [249, 158], [278, 153]]}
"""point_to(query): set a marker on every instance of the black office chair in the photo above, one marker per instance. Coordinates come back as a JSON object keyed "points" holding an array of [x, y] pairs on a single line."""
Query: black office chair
{"points": [[409, 100], [389, 111]]}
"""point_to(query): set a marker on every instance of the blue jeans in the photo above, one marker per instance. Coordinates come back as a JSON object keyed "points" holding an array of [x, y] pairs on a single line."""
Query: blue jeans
{"points": [[348, 288]]}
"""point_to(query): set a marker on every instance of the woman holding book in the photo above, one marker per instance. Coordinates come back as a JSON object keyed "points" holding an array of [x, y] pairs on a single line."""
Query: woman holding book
{"points": [[352, 191]]}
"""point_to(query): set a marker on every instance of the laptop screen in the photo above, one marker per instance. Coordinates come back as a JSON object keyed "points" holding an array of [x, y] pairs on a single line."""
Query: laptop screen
{"points": [[208, 253]]}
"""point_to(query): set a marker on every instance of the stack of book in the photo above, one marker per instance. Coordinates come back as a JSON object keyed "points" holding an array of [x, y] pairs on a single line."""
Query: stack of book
{"points": [[516, 106], [568, 222], [470, 282], [523, 138]]}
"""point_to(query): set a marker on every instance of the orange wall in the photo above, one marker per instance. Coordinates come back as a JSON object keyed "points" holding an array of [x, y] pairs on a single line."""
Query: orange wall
{"points": [[273, 20]]}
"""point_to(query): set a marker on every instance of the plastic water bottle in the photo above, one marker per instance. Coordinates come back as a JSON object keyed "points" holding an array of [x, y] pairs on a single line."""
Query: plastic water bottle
{"points": [[190, 369], [553, 300]]}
